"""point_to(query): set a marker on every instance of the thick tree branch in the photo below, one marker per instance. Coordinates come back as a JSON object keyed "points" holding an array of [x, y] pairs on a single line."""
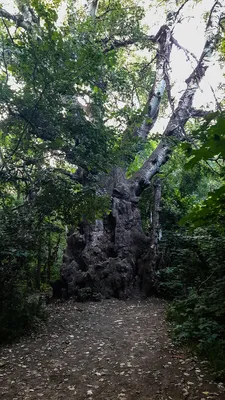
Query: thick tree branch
{"points": [[117, 44], [195, 113], [164, 40], [183, 111], [18, 19]]}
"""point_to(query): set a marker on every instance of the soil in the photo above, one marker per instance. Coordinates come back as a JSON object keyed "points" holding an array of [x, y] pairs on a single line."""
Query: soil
{"points": [[104, 351]]}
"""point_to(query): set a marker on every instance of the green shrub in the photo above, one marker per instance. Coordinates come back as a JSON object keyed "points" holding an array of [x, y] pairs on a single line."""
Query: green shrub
{"points": [[195, 280], [19, 311]]}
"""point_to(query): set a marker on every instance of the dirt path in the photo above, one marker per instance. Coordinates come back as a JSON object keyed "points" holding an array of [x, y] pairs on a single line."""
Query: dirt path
{"points": [[104, 351]]}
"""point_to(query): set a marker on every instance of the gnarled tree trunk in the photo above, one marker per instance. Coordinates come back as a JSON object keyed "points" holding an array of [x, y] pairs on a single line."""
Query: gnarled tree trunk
{"points": [[103, 258]]}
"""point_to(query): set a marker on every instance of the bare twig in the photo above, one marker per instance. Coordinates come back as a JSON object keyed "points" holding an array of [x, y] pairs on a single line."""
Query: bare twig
{"points": [[4, 61], [205, 281], [180, 8], [218, 106], [8, 31], [186, 51]]}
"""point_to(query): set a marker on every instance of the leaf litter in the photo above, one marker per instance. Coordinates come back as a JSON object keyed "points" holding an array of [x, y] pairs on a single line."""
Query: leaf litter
{"points": [[111, 350]]}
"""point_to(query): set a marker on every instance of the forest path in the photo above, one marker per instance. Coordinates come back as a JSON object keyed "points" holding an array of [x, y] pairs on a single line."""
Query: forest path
{"points": [[104, 351]]}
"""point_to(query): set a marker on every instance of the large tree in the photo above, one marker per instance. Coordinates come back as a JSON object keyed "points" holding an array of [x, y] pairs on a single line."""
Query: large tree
{"points": [[90, 57]]}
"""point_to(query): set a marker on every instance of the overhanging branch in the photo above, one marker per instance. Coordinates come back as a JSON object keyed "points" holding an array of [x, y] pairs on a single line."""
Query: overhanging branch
{"points": [[195, 113], [117, 44], [17, 19]]}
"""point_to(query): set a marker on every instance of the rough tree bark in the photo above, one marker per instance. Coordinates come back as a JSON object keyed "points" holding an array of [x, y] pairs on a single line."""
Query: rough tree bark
{"points": [[102, 259]]}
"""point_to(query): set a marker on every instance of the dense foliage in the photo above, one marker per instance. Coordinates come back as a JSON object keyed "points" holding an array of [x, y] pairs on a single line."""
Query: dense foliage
{"points": [[48, 137], [192, 256]]}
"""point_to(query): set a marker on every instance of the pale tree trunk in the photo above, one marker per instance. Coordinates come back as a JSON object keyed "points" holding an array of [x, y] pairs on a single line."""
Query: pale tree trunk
{"points": [[149, 262], [184, 110], [92, 7], [101, 259]]}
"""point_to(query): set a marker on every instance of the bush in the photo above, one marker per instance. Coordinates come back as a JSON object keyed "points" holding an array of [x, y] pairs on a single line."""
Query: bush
{"points": [[194, 279], [20, 311]]}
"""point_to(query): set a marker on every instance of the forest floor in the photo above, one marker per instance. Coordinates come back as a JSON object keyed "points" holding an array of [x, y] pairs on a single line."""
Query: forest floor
{"points": [[104, 351]]}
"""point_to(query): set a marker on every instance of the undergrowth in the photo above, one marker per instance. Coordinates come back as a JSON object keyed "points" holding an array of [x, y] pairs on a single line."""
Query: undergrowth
{"points": [[194, 280]]}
